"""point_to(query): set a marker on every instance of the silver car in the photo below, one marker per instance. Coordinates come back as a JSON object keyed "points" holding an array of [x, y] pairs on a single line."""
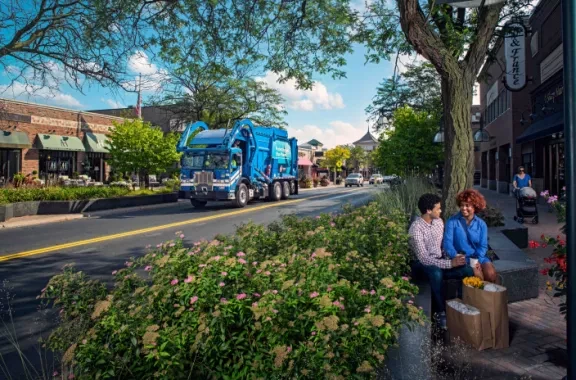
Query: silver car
{"points": [[354, 179]]}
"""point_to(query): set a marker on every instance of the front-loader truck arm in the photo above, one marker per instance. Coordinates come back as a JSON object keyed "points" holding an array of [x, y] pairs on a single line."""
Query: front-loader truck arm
{"points": [[190, 129]]}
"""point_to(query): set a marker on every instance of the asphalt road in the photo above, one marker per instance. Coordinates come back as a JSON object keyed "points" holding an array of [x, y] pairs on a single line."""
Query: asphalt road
{"points": [[102, 242]]}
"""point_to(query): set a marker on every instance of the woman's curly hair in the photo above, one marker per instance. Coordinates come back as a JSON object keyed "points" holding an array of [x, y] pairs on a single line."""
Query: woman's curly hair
{"points": [[473, 197]]}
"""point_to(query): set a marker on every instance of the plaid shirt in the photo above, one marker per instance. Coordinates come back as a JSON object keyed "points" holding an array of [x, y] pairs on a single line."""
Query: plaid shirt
{"points": [[426, 242]]}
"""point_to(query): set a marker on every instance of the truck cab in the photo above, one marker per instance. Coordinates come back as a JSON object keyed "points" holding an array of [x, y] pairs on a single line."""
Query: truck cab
{"points": [[237, 165]]}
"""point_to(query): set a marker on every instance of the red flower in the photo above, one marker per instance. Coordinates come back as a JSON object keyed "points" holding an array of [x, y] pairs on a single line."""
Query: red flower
{"points": [[533, 244], [562, 243], [543, 237], [544, 272], [561, 263], [544, 245], [550, 260]]}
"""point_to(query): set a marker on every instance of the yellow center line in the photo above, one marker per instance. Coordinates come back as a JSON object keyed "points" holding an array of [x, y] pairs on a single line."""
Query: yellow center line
{"points": [[155, 228]]}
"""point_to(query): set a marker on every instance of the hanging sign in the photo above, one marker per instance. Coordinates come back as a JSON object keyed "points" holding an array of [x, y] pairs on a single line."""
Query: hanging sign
{"points": [[515, 53]]}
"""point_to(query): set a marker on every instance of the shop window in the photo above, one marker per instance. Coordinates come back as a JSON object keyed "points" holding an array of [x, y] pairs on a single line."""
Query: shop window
{"points": [[9, 164], [55, 163]]}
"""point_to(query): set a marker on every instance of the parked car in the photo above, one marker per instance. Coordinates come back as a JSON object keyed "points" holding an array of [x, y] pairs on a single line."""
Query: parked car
{"points": [[376, 179], [354, 179]]}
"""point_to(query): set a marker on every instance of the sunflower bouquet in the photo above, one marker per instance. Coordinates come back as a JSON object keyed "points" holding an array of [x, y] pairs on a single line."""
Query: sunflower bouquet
{"points": [[473, 282]]}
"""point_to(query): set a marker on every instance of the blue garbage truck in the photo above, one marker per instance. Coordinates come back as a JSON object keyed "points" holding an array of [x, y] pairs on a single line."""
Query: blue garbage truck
{"points": [[238, 164]]}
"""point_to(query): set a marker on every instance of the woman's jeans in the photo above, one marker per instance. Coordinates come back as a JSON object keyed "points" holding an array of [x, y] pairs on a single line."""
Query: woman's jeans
{"points": [[436, 277]]}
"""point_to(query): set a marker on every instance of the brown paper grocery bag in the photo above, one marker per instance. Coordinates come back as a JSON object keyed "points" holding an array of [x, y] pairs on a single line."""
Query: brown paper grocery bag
{"points": [[495, 303], [472, 329]]}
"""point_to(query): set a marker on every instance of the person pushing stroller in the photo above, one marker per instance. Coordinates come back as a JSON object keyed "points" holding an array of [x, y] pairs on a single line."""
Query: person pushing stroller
{"points": [[525, 197], [521, 180]]}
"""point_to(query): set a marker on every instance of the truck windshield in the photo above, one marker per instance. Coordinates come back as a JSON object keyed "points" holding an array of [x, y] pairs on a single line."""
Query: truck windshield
{"points": [[208, 161], [192, 160]]}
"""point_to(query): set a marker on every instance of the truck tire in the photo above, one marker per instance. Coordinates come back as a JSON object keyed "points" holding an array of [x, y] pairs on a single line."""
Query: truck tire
{"points": [[276, 191], [198, 204], [241, 196], [292, 187], [286, 190]]}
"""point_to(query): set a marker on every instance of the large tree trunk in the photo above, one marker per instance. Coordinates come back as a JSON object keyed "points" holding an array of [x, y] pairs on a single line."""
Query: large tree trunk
{"points": [[458, 145]]}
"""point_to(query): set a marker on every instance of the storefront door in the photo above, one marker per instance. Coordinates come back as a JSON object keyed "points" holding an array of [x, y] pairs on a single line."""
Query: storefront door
{"points": [[554, 167]]}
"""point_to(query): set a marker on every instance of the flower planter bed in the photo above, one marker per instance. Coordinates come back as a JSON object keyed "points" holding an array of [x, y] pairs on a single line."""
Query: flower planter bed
{"points": [[303, 298], [13, 210]]}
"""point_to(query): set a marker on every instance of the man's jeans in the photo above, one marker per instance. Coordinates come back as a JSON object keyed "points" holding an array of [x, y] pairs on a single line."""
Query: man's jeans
{"points": [[436, 276]]}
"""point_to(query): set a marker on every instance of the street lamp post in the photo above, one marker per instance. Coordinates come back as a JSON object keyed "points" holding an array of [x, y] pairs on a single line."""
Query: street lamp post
{"points": [[569, 42]]}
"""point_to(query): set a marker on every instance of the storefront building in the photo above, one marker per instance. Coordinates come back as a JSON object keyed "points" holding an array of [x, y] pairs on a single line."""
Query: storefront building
{"points": [[502, 117], [542, 140], [50, 142]]}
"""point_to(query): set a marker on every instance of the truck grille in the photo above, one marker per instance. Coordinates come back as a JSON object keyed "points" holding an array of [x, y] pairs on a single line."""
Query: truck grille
{"points": [[204, 179]]}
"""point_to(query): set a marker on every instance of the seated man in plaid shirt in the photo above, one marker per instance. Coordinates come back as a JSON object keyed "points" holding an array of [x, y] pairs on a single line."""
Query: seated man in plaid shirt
{"points": [[426, 242]]}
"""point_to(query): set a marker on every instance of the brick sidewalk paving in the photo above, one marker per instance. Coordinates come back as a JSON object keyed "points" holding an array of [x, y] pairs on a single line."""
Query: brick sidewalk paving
{"points": [[537, 329]]}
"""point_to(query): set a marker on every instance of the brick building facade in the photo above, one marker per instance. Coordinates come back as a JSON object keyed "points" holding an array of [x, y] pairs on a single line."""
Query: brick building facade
{"points": [[502, 117], [542, 141], [526, 127], [52, 141]]}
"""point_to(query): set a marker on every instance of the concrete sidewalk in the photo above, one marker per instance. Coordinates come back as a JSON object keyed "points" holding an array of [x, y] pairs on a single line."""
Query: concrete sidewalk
{"points": [[537, 329]]}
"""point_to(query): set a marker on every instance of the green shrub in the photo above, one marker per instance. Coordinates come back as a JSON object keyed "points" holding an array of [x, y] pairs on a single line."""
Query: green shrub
{"points": [[172, 184], [25, 194], [404, 196], [492, 216], [302, 298]]}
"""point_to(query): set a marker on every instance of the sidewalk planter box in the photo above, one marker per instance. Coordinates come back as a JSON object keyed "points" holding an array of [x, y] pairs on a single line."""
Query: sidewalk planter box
{"points": [[517, 272], [19, 209]]}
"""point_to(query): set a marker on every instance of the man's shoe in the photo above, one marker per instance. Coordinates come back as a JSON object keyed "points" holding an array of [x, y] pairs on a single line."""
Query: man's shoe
{"points": [[441, 320]]}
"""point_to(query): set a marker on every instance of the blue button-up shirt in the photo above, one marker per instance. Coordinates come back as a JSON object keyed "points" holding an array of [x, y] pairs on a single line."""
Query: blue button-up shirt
{"points": [[472, 239]]}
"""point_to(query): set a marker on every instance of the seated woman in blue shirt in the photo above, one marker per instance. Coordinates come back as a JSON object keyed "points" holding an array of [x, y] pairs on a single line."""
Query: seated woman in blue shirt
{"points": [[466, 233]]}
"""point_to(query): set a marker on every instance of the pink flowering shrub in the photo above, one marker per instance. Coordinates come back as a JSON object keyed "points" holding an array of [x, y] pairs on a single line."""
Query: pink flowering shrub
{"points": [[302, 298]]}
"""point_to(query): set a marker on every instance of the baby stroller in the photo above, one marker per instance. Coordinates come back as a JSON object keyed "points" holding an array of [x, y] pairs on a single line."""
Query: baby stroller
{"points": [[526, 205]]}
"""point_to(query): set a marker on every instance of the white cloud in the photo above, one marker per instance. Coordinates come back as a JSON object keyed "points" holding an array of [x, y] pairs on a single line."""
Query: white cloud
{"points": [[303, 100], [336, 133], [409, 59], [152, 75], [38, 94], [112, 103]]}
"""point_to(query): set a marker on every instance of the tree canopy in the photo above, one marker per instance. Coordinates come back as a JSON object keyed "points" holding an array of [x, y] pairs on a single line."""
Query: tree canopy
{"points": [[358, 157], [335, 157], [136, 146], [408, 146], [418, 87]]}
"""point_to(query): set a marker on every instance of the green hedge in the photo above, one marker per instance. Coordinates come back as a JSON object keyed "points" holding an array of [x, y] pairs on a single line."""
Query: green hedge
{"points": [[303, 298], [23, 194]]}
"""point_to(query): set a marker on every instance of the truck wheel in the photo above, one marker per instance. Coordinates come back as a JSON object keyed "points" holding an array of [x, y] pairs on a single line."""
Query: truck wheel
{"points": [[241, 196], [285, 190], [292, 187], [198, 204], [276, 191]]}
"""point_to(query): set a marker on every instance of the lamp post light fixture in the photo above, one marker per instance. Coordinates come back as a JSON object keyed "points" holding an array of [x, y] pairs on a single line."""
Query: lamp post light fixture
{"points": [[439, 137]]}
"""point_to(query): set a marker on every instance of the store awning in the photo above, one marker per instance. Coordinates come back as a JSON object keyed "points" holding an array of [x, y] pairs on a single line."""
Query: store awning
{"points": [[96, 142], [14, 140], [304, 161], [57, 142], [543, 128]]}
